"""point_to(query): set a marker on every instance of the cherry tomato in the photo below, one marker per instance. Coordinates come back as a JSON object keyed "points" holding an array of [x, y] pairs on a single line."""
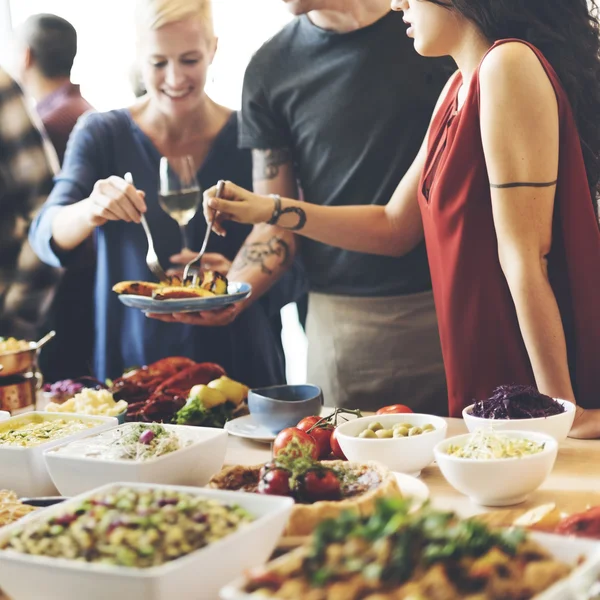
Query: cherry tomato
{"points": [[321, 485], [275, 482], [393, 409], [295, 443], [335, 446], [321, 434]]}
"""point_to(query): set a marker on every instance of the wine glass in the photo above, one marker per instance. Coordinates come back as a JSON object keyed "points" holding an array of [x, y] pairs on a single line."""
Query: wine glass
{"points": [[179, 194]]}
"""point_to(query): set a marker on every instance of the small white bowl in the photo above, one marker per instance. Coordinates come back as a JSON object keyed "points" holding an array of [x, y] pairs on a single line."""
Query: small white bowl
{"points": [[192, 465], [558, 426], [199, 574], [500, 481], [403, 455]]}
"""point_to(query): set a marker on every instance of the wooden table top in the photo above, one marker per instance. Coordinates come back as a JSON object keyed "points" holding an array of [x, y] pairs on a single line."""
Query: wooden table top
{"points": [[573, 484]]}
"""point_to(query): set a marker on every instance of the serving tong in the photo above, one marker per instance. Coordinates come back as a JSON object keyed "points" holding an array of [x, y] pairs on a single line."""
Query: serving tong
{"points": [[151, 256], [198, 257]]}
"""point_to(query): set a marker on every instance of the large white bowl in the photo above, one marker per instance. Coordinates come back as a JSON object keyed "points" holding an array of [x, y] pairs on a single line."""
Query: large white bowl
{"points": [[404, 455], [502, 481], [24, 469], [4, 414], [558, 426], [199, 575], [192, 465]]}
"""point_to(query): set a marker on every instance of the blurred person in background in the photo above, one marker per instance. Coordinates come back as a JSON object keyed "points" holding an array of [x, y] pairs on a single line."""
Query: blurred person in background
{"points": [[334, 108], [47, 46], [176, 45], [27, 166]]}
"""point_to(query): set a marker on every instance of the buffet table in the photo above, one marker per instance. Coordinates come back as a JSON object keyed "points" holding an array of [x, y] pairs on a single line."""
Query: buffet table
{"points": [[573, 484]]}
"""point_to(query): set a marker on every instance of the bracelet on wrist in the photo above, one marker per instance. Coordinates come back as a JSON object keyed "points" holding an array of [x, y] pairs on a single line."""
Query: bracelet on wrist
{"points": [[276, 209]]}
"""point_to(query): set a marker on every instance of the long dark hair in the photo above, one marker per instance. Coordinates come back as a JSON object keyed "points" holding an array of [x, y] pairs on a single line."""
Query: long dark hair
{"points": [[568, 34]]}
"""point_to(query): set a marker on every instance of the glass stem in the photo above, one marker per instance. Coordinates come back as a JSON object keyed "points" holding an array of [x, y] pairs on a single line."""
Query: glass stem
{"points": [[184, 238]]}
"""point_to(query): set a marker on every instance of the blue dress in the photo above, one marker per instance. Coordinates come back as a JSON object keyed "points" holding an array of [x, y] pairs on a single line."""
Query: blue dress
{"points": [[111, 143]]}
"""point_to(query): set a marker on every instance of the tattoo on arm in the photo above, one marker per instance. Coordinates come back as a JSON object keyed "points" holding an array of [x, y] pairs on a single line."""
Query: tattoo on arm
{"points": [[293, 210], [259, 253], [266, 163], [523, 184]]}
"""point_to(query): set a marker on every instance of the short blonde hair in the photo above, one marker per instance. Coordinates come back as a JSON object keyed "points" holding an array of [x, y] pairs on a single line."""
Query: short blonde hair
{"points": [[152, 14]]}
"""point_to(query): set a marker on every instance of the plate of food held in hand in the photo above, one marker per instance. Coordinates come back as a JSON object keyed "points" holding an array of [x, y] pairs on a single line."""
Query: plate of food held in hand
{"points": [[214, 291]]}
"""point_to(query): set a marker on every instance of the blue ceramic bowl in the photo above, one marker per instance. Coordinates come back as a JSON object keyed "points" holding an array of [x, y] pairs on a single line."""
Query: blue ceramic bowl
{"points": [[282, 406]]}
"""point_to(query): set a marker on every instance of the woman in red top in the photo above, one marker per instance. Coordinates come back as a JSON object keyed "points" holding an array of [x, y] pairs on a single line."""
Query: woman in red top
{"points": [[504, 191]]}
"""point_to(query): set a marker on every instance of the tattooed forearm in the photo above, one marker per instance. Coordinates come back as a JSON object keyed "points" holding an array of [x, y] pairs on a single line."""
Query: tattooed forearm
{"points": [[266, 163], [515, 184], [262, 254], [292, 210]]}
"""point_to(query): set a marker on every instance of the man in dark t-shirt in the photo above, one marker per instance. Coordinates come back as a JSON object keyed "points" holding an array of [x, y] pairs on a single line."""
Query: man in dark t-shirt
{"points": [[336, 106]]}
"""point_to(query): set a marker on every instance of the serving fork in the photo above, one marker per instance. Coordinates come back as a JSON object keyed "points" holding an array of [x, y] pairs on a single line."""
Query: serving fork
{"points": [[198, 257], [151, 256]]}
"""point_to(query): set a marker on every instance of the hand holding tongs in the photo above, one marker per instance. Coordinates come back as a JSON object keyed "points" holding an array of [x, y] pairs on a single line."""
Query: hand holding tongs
{"points": [[198, 257]]}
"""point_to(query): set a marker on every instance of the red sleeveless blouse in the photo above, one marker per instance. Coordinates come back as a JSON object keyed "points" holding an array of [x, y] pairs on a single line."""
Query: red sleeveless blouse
{"points": [[481, 340]]}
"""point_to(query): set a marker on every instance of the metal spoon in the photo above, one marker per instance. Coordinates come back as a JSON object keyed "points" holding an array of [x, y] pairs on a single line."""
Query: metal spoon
{"points": [[45, 339]]}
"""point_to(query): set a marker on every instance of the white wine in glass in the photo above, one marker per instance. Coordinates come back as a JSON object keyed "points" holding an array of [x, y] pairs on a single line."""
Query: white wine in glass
{"points": [[179, 194]]}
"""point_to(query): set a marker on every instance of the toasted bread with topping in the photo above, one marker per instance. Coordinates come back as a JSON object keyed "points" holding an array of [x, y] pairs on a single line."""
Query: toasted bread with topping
{"points": [[175, 292], [136, 288]]}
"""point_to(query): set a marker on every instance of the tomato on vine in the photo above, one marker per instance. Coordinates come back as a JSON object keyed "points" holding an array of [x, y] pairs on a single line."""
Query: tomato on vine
{"points": [[295, 443]]}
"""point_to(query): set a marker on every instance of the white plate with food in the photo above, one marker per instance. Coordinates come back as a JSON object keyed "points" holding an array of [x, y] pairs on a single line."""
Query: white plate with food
{"points": [[246, 427], [227, 534]]}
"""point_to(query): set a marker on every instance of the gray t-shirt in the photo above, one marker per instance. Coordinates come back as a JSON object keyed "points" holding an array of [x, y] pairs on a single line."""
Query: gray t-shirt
{"points": [[354, 109]]}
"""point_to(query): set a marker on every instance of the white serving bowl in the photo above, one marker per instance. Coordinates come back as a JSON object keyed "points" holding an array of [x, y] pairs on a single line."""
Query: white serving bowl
{"points": [[404, 455], [200, 574], [501, 481], [558, 426], [4, 414], [24, 469], [192, 465]]}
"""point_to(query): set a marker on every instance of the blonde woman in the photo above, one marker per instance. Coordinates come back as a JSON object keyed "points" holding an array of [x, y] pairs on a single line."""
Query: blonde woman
{"points": [[176, 45]]}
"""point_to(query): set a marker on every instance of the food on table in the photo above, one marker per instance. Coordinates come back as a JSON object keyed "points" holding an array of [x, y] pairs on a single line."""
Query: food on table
{"points": [[90, 402], [11, 508], [396, 555], [489, 445], [377, 431], [213, 404], [296, 443], [517, 402], [212, 284], [321, 490], [12, 344], [394, 409], [157, 391], [130, 528], [36, 430], [134, 441], [322, 430]]}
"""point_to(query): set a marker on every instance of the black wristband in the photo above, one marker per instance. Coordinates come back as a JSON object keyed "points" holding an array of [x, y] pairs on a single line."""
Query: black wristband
{"points": [[276, 210]]}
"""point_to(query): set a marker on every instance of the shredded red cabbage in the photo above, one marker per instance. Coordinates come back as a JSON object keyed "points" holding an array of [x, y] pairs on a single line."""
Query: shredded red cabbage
{"points": [[517, 402]]}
